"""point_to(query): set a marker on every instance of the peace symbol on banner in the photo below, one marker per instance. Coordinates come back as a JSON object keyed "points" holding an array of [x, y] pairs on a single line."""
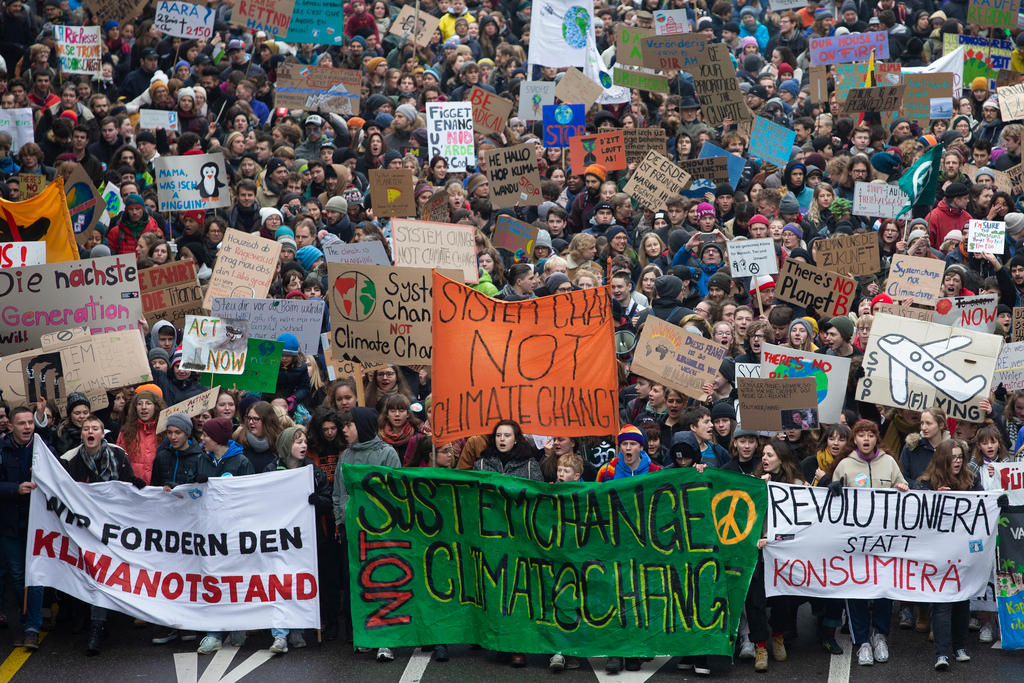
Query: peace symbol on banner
{"points": [[725, 507]]}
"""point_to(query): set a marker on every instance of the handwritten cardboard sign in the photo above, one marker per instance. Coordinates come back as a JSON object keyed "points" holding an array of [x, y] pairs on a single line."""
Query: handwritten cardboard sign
{"points": [[850, 254], [450, 133], [18, 124], [183, 19], [576, 88], [316, 21], [437, 209], [490, 112], [976, 312], [85, 205], [853, 47], [713, 169], [750, 258], [121, 10], [154, 119], [878, 200], [1010, 367], [512, 234], [312, 88], [986, 237], [921, 90], [670, 21], [391, 191], [270, 16], [819, 83], [1018, 324], [629, 44], [640, 141], [369, 252], [170, 292], [606, 149], [812, 287], [245, 267], [1015, 174], [513, 178], [911, 312], [30, 185], [1011, 102], [79, 49], [670, 355], [675, 52], [874, 99], [915, 277], [830, 373], [270, 318], [190, 406], [655, 181], [214, 344], [763, 402], [994, 14], [421, 244], [715, 83], [419, 27], [639, 80], [562, 122], [734, 162], [770, 141]]}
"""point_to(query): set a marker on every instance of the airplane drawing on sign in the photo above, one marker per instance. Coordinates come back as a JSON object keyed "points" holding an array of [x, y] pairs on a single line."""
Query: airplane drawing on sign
{"points": [[922, 359]]}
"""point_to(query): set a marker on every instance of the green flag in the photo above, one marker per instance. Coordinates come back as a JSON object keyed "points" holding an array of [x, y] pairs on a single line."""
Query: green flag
{"points": [[921, 180], [640, 566]]}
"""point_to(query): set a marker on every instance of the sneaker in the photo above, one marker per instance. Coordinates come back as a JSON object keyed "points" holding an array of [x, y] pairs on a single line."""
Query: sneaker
{"points": [[779, 648], [236, 638], [684, 665], [761, 659], [30, 641], [209, 645], [556, 663], [613, 665], [986, 635], [363, 650], [942, 663], [974, 624], [280, 646], [441, 653], [701, 670], [165, 636], [296, 640], [831, 645], [962, 656], [906, 618], [880, 647], [864, 655], [747, 650], [571, 663], [384, 654]]}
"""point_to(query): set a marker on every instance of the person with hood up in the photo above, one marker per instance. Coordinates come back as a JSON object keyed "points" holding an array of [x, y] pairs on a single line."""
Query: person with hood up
{"points": [[293, 376], [793, 178], [360, 429], [138, 435], [177, 383]]}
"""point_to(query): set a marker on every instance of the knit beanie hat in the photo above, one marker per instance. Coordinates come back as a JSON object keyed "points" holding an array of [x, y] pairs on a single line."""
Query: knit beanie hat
{"points": [[159, 354], [181, 421], [408, 111], [631, 433], [219, 429], [285, 441], [308, 255], [596, 170], [705, 209], [844, 326], [723, 409], [806, 325], [77, 398]]}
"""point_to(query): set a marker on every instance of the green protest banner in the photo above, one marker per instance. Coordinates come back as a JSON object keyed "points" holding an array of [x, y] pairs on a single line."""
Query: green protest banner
{"points": [[262, 361], [644, 566]]}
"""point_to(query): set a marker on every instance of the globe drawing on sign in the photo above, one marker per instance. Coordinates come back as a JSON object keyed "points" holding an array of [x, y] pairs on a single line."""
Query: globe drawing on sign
{"points": [[606, 80], [576, 26], [797, 368], [354, 295], [81, 206], [563, 114]]}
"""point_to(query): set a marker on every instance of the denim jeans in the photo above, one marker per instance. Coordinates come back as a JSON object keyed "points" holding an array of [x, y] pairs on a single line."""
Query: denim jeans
{"points": [[12, 556], [949, 624], [867, 613]]}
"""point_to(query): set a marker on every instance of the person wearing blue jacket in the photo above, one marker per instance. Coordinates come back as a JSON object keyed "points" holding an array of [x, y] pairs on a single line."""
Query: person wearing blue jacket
{"points": [[750, 26]]}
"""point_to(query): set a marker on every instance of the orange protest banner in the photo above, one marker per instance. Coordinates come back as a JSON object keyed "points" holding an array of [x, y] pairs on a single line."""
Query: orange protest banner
{"points": [[547, 363], [43, 218]]}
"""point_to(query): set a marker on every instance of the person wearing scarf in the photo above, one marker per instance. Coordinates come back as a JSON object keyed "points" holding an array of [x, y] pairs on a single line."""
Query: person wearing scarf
{"points": [[632, 459], [123, 238]]}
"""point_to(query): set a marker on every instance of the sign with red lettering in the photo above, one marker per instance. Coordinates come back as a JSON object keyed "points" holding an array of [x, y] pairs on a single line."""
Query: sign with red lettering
{"points": [[830, 374], [810, 287], [969, 312], [18, 254], [270, 16], [490, 112], [853, 47]]}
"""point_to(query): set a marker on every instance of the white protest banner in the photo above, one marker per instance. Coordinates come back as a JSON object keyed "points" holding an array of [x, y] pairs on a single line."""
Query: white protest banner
{"points": [[533, 96], [830, 373], [367, 252], [184, 20], [18, 124], [916, 365], [269, 318], [771, 142], [152, 119], [748, 258], [214, 344], [878, 200], [952, 62], [18, 254], [986, 237], [450, 133], [670, 21], [969, 312], [1009, 478], [187, 183], [1010, 367], [921, 546], [190, 406], [78, 49], [176, 559]]}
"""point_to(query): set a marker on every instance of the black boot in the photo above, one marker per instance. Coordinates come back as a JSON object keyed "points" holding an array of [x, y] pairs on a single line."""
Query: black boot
{"points": [[96, 632]]}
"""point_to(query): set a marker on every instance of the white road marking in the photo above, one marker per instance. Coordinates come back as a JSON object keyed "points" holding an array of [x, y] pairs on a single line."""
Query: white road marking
{"points": [[219, 663], [186, 666], [839, 665], [415, 667], [647, 669]]}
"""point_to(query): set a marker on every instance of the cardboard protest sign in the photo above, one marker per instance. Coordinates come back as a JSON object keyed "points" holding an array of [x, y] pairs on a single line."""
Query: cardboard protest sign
{"points": [[121, 10], [100, 293], [575, 88], [78, 48], [262, 363], [511, 234], [640, 141], [900, 547], [976, 312], [1010, 367], [18, 124], [30, 185], [812, 287], [513, 178], [339, 368], [44, 218], [547, 363], [190, 406], [850, 254], [214, 344], [437, 209], [682, 52], [563, 121], [639, 80], [994, 14], [771, 142], [450, 133], [184, 20], [18, 254], [270, 16], [878, 200], [187, 183], [369, 252], [629, 44], [735, 162], [915, 277], [170, 292], [1011, 102], [270, 318], [676, 358], [921, 90], [312, 88], [830, 375], [719, 509], [245, 267], [849, 77], [154, 119], [986, 237], [1018, 324], [670, 21], [914, 365], [533, 97], [749, 258], [655, 181], [391, 191], [764, 401], [606, 149], [853, 47], [874, 99], [713, 169], [904, 311], [1015, 174], [421, 244], [490, 112], [85, 205], [715, 83], [417, 27]]}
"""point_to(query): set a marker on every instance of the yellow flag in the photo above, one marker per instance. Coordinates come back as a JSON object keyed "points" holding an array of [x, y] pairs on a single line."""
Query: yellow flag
{"points": [[43, 218]]}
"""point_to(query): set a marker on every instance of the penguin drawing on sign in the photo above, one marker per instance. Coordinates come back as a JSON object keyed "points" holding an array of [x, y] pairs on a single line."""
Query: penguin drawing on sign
{"points": [[209, 186]]}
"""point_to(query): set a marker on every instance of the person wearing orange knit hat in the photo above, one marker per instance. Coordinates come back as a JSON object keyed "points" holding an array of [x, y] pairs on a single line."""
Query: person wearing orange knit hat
{"points": [[583, 204]]}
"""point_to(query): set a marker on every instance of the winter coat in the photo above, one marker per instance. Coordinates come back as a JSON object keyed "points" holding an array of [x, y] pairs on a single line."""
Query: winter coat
{"points": [[121, 240], [881, 472], [75, 464], [15, 468], [172, 467], [372, 452], [143, 452], [942, 219], [67, 436], [293, 382], [916, 455], [517, 463], [232, 464]]}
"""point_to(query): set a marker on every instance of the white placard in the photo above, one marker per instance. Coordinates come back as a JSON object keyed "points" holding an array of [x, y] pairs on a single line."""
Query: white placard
{"points": [[986, 237], [1010, 367], [214, 344], [184, 20], [670, 21], [17, 254], [151, 119], [878, 200], [748, 258], [18, 124], [450, 134], [533, 96], [270, 318], [367, 252], [187, 183], [976, 312], [79, 49]]}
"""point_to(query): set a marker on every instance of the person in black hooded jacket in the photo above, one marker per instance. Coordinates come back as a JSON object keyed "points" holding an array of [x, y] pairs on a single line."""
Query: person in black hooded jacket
{"points": [[177, 457], [69, 432], [293, 377]]}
